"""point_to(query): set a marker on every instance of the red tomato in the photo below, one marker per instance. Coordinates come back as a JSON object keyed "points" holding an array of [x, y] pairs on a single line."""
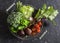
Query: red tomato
{"points": [[38, 30], [40, 23], [36, 26]]}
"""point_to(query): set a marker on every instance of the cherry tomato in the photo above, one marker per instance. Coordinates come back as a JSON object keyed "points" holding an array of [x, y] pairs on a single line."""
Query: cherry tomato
{"points": [[38, 30], [36, 26], [40, 23]]}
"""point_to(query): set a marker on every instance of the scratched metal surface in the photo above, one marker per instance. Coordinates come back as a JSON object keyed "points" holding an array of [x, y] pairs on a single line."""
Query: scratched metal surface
{"points": [[53, 34]]}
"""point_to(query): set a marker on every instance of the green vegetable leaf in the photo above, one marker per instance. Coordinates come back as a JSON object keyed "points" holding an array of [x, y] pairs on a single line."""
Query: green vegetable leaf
{"points": [[44, 6], [53, 15], [18, 6], [24, 22], [48, 12], [21, 27], [25, 9], [14, 19], [13, 29], [38, 13]]}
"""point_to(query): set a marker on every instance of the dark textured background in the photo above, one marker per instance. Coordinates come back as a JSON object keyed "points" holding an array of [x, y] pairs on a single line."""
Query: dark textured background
{"points": [[53, 35]]}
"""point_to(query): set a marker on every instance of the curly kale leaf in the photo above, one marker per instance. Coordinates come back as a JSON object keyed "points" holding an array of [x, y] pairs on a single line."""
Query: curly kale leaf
{"points": [[14, 18]]}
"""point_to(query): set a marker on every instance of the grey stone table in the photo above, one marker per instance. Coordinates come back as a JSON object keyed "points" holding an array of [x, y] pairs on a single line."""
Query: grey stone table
{"points": [[53, 34]]}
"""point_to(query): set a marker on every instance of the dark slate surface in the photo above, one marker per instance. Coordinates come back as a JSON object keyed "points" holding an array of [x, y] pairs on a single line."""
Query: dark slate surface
{"points": [[53, 35]]}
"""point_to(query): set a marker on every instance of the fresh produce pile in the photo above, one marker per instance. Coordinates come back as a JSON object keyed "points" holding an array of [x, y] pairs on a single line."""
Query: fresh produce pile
{"points": [[23, 23]]}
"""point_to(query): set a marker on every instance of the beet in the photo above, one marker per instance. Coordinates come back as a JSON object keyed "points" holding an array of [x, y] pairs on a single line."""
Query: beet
{"points": [[21, 33], [28, 31]]}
